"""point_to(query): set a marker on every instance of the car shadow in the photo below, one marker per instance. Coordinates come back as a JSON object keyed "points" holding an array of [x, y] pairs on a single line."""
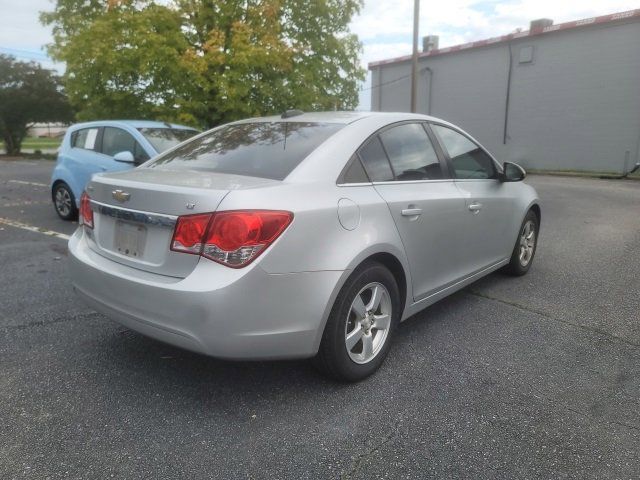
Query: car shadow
{"points": [[164, 368]]}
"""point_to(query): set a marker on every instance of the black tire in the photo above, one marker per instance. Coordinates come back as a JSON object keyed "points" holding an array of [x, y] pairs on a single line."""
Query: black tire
{"points": [[333, 358], [519, 265], [64, 202]]}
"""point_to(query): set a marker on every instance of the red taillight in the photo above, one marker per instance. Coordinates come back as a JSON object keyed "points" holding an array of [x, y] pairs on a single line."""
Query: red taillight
{"points": [[189, 232], [233, 238], [86, 214]]}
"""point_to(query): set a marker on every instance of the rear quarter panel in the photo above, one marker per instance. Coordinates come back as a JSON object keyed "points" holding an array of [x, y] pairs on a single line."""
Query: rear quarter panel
{"points": [[316, 240]]}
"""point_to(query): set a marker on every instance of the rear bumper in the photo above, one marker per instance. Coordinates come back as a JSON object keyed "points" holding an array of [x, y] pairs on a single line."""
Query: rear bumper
{"points": [[227, 313]]}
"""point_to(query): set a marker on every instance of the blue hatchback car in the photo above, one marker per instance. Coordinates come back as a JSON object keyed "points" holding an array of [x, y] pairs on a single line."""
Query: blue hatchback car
{"points": [[106, 146]]}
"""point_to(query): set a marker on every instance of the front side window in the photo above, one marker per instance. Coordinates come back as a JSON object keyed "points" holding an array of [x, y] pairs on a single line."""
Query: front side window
{"points": [[411, 153], [260, 149], [116, 140], [469, 161], [84, 138]]}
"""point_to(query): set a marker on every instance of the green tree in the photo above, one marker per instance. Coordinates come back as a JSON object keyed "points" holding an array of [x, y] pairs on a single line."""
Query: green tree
{"points": [[28, 94], [206, 62]]}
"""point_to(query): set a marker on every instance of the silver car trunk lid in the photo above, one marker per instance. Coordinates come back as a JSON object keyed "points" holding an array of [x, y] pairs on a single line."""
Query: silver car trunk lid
{"points": [[135, 213]]}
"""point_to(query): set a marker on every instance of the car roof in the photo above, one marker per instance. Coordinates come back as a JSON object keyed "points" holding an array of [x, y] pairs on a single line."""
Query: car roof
{"points": [[132, 123], [342, 117]]}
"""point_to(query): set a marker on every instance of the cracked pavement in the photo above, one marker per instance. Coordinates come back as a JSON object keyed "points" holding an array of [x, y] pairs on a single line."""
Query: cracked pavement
{"points": [[532, 377]]}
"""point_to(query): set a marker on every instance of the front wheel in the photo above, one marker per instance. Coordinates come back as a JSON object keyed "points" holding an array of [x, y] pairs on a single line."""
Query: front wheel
{"points": [[64, 201], [525, 248], [359, 330]]}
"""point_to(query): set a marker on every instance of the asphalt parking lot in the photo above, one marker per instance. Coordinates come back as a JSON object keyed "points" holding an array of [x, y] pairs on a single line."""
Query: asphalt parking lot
{"points": [[533, 377]]}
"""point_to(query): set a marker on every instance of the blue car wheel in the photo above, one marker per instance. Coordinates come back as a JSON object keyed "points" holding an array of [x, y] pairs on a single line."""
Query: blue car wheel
{"points": [[64, 202]]}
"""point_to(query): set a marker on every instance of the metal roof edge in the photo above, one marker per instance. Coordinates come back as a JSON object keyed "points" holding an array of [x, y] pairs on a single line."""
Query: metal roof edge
{"points": [[604, 19]]}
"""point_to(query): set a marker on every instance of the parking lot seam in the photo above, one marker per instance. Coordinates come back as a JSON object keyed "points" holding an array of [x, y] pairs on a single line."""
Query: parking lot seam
{"points": [[581, 413], [550, 317], [359, 459]]}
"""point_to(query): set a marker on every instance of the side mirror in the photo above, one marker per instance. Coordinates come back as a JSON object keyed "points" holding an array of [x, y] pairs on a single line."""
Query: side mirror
{"points": [[125, 157], [513, 172]]}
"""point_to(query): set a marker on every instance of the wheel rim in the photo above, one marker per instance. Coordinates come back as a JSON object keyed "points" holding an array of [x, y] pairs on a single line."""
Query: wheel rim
{"points": [[527, 243], [63, 201], [368, 323]]}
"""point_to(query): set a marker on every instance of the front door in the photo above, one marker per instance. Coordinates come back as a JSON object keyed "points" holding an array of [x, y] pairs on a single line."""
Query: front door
{"points": [[488, 232]]}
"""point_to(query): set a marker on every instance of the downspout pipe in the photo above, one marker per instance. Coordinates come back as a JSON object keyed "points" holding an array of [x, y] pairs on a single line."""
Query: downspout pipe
{"points": [[508, 95], [429, 89]]}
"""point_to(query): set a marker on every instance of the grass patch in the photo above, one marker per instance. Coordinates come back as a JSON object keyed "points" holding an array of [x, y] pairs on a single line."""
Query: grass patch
{"points": [[36, 143]]}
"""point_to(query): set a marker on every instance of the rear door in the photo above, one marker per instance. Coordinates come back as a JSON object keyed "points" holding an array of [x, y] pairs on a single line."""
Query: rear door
{"points": [[424, 202], [84, 158], [489, 207]]}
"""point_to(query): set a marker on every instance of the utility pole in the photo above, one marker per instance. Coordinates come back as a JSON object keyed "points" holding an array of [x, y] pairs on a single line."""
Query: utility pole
{"points": [[414, 59]]}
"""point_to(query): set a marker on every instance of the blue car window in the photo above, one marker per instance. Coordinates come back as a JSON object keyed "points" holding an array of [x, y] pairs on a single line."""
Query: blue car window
{"points": [[116, 140], [84, 138]]}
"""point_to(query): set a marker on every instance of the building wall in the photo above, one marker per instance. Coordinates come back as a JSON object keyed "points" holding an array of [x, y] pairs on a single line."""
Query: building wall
{"points": [[576, 106]]}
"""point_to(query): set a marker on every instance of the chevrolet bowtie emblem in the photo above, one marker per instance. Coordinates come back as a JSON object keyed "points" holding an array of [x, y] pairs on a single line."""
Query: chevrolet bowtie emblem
{"points": [[121, 196]]}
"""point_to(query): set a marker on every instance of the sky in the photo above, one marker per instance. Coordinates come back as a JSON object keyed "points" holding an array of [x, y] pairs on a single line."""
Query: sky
{"points": [[385, 27]]}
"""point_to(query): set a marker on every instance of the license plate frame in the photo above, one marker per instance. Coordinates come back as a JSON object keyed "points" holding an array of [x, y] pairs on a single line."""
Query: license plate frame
{"points": [[130, 239]]}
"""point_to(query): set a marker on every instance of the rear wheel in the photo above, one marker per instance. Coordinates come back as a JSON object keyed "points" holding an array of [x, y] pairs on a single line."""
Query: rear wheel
{"points": [[360, 328], [525, 248], [64, 201]]}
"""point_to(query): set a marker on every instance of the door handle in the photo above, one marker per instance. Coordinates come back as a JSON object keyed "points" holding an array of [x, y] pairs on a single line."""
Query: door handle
{"points": [[475, 207], [411, 212], [104, 169]]}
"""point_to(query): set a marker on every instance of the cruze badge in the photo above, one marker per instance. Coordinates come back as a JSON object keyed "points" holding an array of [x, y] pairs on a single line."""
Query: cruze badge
{"points": [[121, 196]]}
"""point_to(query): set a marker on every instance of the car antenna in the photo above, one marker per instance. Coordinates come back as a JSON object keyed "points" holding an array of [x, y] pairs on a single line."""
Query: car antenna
{"points": [[168, 124], [291, 113]]}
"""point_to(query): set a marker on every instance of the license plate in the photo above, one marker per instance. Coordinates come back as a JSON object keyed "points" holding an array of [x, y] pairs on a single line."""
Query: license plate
{"points": [[130, 239]]}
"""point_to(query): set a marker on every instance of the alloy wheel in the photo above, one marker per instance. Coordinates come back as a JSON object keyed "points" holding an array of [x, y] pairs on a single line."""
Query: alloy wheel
{"points": [[527, 243], [368, 322], [63, 201]]}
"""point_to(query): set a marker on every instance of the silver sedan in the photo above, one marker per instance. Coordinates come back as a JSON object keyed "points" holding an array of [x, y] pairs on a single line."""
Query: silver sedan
{"points": [[302, 235]]}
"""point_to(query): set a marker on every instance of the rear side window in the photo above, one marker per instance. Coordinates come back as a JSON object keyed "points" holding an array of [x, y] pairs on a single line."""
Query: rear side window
{"points": [[411, 153], [84, 138], [469, 161], [375, 161], [354, 173], [261, 149]]}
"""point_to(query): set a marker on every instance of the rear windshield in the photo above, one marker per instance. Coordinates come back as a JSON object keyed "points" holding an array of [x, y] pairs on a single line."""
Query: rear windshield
{"points": [[164, 138], [266, 150]]}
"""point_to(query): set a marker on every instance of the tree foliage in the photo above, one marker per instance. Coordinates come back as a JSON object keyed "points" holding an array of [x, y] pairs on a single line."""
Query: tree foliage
{"points": [[28, 94], [206, 62]]}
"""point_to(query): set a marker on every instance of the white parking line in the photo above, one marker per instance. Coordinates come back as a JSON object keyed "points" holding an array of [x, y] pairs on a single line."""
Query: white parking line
{"points": [[33, 184], [30, 228], [23, 203]]}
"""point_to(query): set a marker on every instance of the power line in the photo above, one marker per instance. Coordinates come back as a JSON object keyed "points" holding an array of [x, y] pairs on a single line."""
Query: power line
{"points": [[404, 77]]}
